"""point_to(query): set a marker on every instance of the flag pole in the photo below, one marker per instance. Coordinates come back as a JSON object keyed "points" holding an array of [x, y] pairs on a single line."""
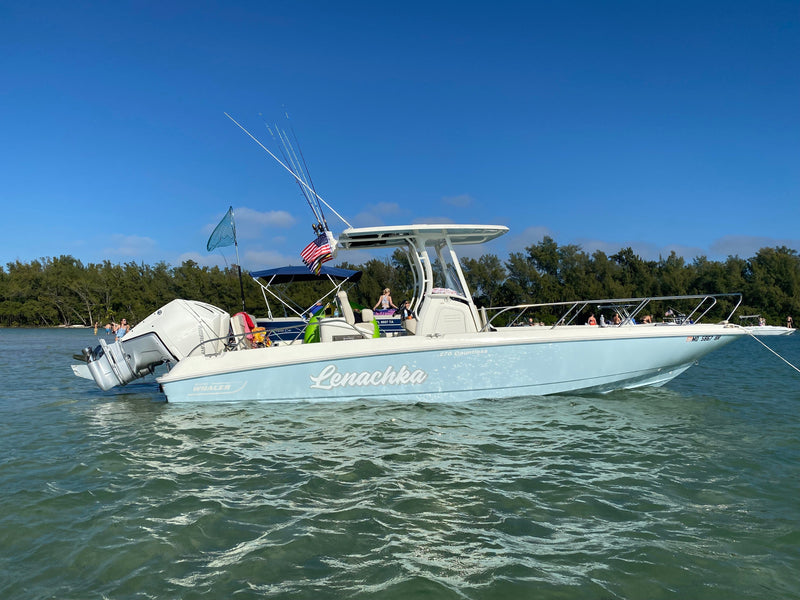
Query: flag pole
{"points": [[238, 262]]}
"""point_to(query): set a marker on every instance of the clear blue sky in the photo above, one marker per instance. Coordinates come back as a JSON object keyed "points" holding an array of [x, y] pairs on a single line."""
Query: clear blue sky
{"points": [[656, 125]]}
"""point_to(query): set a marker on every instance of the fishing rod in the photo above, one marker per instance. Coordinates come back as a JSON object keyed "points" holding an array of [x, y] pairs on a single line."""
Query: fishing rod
{"points": [[299, 180], [305, 165], [312, 203], [307, 175]]}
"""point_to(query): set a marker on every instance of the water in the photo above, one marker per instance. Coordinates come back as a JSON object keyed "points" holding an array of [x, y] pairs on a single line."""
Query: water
{"points": [[689, 491]]}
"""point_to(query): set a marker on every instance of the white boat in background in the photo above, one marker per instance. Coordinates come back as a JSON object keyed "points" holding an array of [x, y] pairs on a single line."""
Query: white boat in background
{"points": [[756, 325], [451, 351]]}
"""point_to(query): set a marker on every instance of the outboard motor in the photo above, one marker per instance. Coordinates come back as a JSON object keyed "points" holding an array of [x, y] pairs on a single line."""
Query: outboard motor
{"points": [[166, 336]]}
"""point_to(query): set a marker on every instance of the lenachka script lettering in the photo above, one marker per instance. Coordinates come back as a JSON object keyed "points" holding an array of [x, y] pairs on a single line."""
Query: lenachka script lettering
{"points": [[330, 378]]}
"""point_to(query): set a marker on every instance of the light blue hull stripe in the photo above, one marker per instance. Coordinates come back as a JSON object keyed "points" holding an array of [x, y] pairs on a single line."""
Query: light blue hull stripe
{"points": [[459, 374]]}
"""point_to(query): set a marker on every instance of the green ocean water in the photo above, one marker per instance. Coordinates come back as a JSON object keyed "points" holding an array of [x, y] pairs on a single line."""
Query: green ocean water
{"points": [[688, 491]]}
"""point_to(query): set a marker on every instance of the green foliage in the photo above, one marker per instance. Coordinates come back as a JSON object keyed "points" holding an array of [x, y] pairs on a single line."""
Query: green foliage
{"points": [[62, 291], [485, 276]]}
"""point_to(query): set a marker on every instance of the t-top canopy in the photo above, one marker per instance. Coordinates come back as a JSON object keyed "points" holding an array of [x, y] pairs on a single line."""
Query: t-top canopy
{"points": [[398, 235], [302, 273]]}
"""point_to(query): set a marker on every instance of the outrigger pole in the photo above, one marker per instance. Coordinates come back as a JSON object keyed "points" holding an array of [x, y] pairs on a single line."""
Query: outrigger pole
{"points": [[295, 175]]}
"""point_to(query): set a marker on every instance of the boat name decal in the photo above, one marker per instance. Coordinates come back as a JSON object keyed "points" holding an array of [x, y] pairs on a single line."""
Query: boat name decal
{"points": [[330, 377]]}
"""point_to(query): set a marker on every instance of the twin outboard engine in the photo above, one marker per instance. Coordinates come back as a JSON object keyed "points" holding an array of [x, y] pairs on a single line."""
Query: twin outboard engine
{"points": [[167, 336]]}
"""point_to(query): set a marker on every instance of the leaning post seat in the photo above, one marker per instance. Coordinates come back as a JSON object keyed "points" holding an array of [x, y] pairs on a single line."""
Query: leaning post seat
{"points": [[344, 306], [239, 330]]}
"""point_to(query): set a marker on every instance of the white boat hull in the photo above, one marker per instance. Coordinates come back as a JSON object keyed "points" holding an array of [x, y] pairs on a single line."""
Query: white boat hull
{"points": [[507, 363]]}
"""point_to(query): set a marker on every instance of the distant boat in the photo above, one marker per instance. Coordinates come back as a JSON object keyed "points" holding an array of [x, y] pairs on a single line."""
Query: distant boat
{"points": [[756, 325]]}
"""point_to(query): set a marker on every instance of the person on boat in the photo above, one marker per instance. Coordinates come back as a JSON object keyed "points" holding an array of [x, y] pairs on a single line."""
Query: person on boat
{"points": [[592, 320], [385, 301], [617, 319], [789, 322], [406, 312]]}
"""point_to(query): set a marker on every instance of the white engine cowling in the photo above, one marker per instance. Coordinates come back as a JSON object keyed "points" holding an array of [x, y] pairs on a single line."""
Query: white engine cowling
{"points": [[166, 336]]}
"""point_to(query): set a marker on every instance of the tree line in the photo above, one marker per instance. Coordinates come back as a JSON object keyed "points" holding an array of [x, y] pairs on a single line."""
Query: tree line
{"points": [[63, 291]]}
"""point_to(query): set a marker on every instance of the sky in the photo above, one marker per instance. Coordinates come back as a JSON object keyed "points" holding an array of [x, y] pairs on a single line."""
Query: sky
{"points": [[660, 126]]}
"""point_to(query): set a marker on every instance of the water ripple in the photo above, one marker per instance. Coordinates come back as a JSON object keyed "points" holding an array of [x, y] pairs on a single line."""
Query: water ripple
{"points": [[682, 492]]}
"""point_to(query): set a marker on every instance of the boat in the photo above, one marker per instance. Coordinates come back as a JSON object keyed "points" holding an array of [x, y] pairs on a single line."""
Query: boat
{"points": [[756, 325], [451, 351]]}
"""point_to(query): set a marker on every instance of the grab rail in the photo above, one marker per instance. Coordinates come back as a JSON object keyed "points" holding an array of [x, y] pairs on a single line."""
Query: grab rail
{"points": [[231, 341], [629, 307]]}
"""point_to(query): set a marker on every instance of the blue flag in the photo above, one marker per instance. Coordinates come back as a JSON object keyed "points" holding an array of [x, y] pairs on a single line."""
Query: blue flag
{"points": [[224, 234]]}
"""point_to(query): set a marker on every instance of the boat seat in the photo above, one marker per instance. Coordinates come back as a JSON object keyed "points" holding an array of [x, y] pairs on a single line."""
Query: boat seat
{"points": [[410, 326], [367, 324], [344, 306], [238, 330]]}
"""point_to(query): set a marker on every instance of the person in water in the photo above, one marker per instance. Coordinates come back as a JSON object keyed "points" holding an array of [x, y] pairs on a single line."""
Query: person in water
{"points": [[122, 329], [385, 301]]}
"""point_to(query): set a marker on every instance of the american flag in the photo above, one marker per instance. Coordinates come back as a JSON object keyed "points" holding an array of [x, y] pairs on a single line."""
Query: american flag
{"points": [[316, 253]]}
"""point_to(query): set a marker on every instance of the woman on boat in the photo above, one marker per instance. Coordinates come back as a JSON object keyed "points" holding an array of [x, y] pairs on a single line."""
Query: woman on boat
{"points": [[406, 312], [385, 301]]}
